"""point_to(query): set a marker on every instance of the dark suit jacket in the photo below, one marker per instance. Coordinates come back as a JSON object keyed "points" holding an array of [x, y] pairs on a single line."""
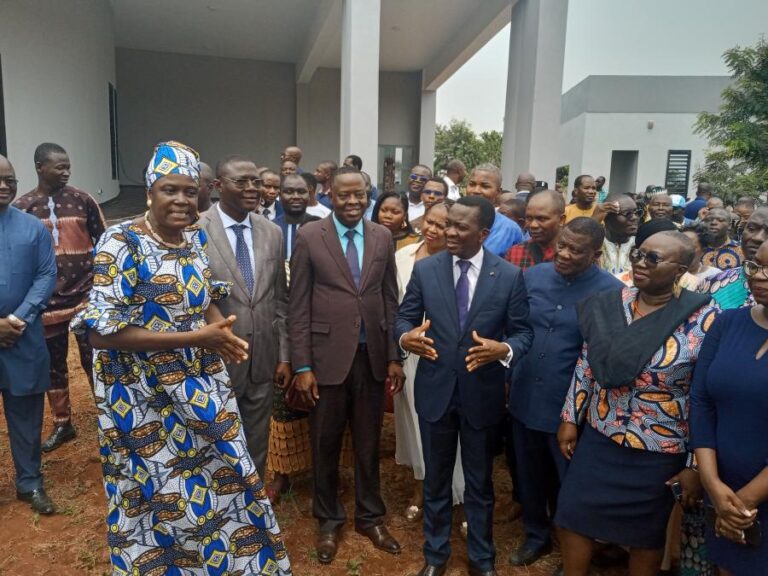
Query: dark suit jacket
{"points": [[280, 221], [326, 309], [499, 311], [261, 316]]}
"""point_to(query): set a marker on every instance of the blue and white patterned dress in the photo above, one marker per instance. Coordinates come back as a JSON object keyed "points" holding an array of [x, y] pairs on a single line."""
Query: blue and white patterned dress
{"points": [[184, 497]]}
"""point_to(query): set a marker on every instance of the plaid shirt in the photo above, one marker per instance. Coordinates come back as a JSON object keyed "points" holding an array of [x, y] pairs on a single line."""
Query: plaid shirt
{"points": [[520, 255]]}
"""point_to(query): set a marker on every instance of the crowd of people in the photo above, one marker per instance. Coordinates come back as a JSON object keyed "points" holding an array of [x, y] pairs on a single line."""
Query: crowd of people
{"points": [[257, 323]]}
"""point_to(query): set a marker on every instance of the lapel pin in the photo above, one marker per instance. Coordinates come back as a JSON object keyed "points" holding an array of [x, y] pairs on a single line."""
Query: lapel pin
{"points": [[493, 273]]}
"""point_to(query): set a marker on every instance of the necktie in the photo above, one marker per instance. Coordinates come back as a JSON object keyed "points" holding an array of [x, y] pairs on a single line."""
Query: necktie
{"points": [[352, 257], [462, 292], [266, 213], [242, 257]]}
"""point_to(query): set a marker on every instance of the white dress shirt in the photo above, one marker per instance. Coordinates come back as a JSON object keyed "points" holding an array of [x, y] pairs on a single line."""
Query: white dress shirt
{"points": [[269, 212], [415, 210], [318, 210], [453, 189], [473, 273], [247, 233]]}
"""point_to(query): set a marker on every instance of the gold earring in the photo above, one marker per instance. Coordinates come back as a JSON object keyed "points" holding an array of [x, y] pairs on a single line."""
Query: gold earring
{"points": [[149, 202], [676, 288]]}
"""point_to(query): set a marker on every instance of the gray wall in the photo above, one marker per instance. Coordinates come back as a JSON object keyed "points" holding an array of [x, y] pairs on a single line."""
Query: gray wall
{"points": [[58, 60], [219, 106]]}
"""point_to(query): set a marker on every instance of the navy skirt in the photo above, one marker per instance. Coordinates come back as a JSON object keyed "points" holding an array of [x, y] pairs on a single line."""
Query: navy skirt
{"points": [[617, 494]]}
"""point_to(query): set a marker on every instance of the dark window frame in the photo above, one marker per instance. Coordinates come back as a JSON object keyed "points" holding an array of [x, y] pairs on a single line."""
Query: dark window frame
{"points": [[673, 180]]}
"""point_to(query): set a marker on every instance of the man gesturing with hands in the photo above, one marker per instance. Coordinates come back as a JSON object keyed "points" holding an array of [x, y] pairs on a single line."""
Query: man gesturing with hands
{"points": [[465, 314]]}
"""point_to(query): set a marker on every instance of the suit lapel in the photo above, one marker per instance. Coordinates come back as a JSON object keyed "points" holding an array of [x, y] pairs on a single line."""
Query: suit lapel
{"points": [[333, 245], [260, 251], [485, 286], [447, 287], [221, 241], [369, 246]]}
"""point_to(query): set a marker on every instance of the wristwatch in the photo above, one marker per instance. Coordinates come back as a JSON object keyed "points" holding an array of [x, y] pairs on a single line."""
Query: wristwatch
{"points": [[16, 321]]}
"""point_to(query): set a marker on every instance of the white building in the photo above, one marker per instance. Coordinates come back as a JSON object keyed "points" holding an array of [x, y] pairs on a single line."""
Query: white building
{"points": [[107, 79], [637, 130]]}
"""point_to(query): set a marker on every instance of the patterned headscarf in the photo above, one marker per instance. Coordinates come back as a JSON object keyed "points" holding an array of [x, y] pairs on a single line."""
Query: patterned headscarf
{"points": [[172, 158]]}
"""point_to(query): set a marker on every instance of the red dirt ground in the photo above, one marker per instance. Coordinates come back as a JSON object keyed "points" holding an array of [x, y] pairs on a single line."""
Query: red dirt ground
{"points": [[73, 542]]}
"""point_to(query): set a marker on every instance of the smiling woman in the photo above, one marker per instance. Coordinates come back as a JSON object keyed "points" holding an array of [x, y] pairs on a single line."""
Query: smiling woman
{"points": [[169, 425]]}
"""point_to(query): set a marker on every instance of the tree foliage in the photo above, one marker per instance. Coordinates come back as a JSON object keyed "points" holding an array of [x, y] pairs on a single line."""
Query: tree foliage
{"points": [[459, 140], [737, 163]]}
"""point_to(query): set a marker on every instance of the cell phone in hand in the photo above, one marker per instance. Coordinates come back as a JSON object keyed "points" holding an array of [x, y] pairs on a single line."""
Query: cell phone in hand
{"points": [[677, 491]]}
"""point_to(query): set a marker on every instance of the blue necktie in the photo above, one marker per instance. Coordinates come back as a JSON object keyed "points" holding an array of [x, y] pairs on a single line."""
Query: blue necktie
{"points": [[352, 258], [462, 292], [243, 258]]}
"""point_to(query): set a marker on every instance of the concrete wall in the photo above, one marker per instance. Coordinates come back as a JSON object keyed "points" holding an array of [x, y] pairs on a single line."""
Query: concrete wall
{"points": [[58, 60], [219, 106], [600, 134], [319, 114]]}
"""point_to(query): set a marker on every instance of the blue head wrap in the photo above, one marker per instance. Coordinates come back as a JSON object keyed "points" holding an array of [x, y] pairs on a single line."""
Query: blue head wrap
{"points": [[172, 158]]}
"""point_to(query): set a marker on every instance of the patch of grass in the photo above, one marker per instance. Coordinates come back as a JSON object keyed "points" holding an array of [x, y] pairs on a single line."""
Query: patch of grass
{"points": [[355, 566]]}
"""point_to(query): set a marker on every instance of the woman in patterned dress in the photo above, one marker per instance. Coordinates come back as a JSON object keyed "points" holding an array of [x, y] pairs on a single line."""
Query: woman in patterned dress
{"points": [[184, 497], [631, 389]]}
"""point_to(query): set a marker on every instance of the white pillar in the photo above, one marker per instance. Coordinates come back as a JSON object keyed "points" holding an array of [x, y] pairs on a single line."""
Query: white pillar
{"points": [[360, 82], [534, 87], [427, 127]]}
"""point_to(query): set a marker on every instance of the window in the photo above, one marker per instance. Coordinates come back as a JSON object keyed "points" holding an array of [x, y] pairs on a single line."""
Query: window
{"points": [[113, 131], [678, 171]]}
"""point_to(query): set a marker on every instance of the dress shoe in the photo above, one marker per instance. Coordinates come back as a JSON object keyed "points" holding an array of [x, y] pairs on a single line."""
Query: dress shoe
{"points": [[525, 556], [381, 538], [61, 433], [475, 571], [38, 500], [432, 570], [327, 545]]}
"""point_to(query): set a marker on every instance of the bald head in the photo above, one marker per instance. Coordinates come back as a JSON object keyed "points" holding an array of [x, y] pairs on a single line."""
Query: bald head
{"points": [[8, 183], [204, 187], [525, 182], [292, 153]]}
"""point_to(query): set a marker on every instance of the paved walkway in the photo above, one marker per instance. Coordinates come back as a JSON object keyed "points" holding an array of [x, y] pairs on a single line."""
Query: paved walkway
{"points": [[132, 200]]}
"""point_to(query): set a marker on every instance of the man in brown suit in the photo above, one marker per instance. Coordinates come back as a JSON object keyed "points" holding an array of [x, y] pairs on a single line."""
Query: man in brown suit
{"points": [[343, 301]]}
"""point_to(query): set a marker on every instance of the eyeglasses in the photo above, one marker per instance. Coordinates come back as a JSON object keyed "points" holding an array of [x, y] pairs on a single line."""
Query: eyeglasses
{"points": [[415, 177], [241, 183], [651, 258], [752, 269], [637, 213], [10, 182]]}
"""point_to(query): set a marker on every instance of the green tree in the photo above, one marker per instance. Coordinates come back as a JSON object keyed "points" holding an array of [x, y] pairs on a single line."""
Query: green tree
{"points": [[459, 140], [737, 163]]}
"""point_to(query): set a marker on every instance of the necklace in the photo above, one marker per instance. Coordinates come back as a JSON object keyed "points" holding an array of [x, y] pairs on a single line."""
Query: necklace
{"points": [[157, 236], [636, 308]]}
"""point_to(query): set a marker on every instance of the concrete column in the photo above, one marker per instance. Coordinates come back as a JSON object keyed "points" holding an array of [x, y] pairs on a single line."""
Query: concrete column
{"points": [[427, 127], [534, 87], [360, 82]]}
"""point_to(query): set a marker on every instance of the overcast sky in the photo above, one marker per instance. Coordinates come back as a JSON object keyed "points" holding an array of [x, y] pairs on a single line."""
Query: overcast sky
{"points": [[636, 37]]}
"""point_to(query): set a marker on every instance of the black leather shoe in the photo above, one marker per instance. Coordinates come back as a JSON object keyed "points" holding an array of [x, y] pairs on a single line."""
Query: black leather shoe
{"points": [[475, 571], [431, 570], [381, 538], [525, 556], [61, 433], [327, 545], [38, 500]]}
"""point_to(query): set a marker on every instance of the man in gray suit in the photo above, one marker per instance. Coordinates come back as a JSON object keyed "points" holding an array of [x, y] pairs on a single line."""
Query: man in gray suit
{"points": [[247, 250]]}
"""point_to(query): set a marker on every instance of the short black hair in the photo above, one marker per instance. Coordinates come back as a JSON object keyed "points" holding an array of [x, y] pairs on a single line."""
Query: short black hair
{"points": [[341, 171], [310, 179], [357, 162], [554, 195], [266, 171], [580, 179], [586, 226], [232, 159], [46, 150], [422, 166], [455, 165], [403, 201], [284, 177], [746, 201], [485, 212], [438, 181], [687, 249]]}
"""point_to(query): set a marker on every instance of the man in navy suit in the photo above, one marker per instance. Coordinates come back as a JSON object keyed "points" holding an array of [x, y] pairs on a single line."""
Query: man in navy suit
{"points": [[465, 314]]}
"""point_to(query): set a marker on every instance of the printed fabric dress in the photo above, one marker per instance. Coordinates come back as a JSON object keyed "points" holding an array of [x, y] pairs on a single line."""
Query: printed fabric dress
{"points": [[184, 497]]}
